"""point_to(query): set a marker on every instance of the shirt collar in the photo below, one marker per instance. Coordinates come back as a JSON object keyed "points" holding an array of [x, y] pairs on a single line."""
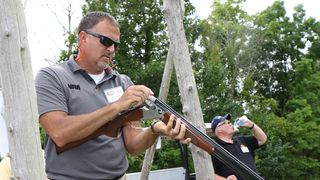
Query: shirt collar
{"points": [[220, 141], [74, 66]]}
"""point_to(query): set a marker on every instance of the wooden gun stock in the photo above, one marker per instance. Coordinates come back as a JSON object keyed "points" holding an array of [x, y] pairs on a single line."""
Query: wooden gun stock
{"points": [[111, 128], [195, 138]]}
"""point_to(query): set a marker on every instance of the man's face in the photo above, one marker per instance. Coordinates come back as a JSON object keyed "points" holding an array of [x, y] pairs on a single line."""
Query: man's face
{"points": [[225, 125], [98, 46]]}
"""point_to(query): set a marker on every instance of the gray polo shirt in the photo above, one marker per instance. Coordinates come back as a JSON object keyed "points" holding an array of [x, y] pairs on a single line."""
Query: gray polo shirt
{"points": [[67, 87]]}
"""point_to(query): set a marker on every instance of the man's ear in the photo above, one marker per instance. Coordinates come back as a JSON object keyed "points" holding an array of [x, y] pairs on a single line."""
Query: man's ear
{"points": [[82, 37]]}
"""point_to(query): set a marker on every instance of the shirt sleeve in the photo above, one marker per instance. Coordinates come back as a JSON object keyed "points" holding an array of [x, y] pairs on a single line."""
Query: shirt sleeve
{"points": [[126, 81], [50, 93]]}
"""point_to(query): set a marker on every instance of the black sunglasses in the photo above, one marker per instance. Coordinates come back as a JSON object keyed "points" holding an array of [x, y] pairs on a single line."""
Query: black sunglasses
{"points": [[104, 40]]}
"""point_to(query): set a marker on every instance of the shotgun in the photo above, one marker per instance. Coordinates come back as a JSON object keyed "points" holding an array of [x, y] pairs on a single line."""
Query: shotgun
{"points": [[155, 108]]}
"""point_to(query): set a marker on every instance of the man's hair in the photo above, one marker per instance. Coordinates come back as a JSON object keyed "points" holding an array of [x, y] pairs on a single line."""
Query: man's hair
{"points": [[93, 18]]}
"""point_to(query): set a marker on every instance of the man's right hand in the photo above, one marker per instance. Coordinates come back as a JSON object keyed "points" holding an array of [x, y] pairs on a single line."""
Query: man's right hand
{"points": [[134, 95], [232, 177]]}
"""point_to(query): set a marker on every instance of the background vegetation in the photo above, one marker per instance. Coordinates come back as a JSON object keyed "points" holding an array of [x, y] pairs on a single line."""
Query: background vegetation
{"points": [[265, 66]]}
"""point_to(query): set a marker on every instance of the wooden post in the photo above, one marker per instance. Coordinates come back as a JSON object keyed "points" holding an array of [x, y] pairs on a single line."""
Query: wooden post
{"points": [[20, 108], [163, 94], [173, 11]]}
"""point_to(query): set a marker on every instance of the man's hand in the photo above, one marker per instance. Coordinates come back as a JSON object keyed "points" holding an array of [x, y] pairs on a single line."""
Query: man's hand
{"points": [[178, 132], [134, 96], [232, 177], [248, 123]]}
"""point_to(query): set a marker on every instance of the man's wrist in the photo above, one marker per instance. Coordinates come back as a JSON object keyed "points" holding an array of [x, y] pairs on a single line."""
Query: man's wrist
{"points": [[152, 127], [252, 126]]}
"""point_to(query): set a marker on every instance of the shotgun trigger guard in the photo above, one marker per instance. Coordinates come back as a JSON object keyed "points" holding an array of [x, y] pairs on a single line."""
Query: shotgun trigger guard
{"points": [[151, 112]]}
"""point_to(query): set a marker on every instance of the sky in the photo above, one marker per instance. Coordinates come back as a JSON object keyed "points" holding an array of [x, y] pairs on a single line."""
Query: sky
{"points": [[47, 22]]}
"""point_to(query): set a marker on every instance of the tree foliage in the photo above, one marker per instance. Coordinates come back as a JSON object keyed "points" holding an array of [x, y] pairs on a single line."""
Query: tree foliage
{"points": [[223, 36], [256, 65]]}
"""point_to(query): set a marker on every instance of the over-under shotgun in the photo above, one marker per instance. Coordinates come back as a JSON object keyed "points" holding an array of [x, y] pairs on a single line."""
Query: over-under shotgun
{"points": [[198, 138]]}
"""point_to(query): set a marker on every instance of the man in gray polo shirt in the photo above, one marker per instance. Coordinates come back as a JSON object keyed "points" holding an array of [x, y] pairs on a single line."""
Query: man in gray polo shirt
{"points": [[77, 97]]}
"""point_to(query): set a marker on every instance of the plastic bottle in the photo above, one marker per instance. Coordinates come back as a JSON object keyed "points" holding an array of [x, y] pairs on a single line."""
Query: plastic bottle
{"points": [[239, 122]]}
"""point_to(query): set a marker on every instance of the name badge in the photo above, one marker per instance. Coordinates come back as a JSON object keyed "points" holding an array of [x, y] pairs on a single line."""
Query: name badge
{"points": [[113, 94], [244, 149]]}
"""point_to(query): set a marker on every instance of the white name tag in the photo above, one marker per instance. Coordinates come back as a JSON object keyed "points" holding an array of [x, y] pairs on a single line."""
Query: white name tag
{"points": [[244, 149], [113, 94]]}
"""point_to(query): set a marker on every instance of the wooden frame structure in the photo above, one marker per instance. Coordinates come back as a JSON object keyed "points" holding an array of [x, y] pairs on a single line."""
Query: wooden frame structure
{"points": [[178, 56]]}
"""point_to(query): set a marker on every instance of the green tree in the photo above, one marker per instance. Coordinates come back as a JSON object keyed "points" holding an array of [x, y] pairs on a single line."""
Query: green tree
{"points": [[314, 38], [71, 43], [304, 121], [255, 65], [283, 43], [225, 36]]}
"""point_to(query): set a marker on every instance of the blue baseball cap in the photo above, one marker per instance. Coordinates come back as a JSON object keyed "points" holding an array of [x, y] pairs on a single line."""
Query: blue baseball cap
{"points": [[217, 119]]}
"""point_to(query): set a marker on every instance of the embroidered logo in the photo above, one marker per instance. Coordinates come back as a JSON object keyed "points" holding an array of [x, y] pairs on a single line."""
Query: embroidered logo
{"points": [[74, 86]]}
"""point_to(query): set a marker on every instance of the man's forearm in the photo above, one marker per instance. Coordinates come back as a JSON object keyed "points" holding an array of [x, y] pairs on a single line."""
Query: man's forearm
{"points": [[63, 128], [259, 134], [138, 139]]}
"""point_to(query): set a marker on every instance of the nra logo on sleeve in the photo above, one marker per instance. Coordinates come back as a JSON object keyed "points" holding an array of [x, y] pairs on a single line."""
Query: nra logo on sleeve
{"points": [[74, 86]]}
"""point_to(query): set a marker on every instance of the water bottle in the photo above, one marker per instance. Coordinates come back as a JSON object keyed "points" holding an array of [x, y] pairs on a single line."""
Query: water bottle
{"points": [[239, 122]]}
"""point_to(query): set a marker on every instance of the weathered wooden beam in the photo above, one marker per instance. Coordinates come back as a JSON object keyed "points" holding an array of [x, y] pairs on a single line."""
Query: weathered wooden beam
{"points": [[163, 93], [20, 108], [173, 11]]}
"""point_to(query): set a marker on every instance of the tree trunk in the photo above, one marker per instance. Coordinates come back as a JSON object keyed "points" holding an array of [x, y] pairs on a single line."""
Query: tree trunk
{"points": [[173, 11], [163, 94], [20, 109]]}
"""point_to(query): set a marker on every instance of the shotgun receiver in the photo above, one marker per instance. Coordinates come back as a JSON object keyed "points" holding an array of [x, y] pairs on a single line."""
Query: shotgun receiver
{"points": [[155, 108]]}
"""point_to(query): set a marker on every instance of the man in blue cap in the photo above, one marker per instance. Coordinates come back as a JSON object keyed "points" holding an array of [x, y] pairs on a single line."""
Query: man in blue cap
{"points": [[241, 147]]}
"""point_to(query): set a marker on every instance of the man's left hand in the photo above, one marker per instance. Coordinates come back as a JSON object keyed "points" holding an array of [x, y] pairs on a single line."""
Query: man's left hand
{"points": [[177, 132]]}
